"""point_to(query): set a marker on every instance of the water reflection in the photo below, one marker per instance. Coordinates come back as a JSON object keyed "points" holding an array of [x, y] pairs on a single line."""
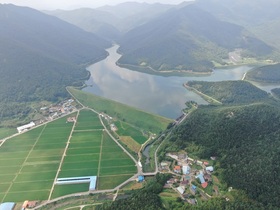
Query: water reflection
{"points": [[161, 95]]}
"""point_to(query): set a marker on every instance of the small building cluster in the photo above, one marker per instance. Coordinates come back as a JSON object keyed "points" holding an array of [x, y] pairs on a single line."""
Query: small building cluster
{"points": [[50, 113], [187, 173], [57, 110], [106, 117], [113, 127]]}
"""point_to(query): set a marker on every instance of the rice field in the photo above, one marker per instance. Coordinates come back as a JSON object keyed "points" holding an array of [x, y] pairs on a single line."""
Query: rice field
{"points": [[29, 162]]}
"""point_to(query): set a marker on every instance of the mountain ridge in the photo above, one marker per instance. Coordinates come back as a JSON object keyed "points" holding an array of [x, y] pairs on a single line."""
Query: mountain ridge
{"points": [[39, 56], [192, 37]]}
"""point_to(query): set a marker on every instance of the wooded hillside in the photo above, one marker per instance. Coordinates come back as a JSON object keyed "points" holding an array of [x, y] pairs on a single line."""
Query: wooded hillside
{"points": [[39, 56], [245, 139]]}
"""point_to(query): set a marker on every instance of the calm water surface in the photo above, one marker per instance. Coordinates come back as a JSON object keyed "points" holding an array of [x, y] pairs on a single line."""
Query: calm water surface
{"points": [[165, 96]]}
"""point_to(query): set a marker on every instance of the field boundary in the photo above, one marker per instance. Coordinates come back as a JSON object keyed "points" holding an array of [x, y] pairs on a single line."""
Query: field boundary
{"points": [[11, 184], [63, 156]]}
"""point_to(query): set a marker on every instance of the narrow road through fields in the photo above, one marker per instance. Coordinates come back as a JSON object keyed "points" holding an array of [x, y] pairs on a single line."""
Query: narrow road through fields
{"points": [[63, 156]]}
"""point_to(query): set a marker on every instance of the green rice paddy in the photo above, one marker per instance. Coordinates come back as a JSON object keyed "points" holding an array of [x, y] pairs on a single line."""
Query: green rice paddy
{"points": [[30, 161], [125, 129]]}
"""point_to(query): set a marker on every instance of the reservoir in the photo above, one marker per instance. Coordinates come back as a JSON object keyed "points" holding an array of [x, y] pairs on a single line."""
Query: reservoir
{"points": [[161, 95]]}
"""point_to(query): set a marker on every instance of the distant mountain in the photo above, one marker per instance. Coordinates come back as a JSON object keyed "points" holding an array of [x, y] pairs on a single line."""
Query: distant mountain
{"points": [[102, 23], [187, 38], [112, 21], [39, 56], [261, 17], [268, 31], [243, 12]]}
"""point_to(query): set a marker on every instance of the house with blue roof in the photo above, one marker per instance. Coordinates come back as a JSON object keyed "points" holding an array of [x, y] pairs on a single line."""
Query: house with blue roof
{"points": [[7, 206], [201, 178], [141, 178]]}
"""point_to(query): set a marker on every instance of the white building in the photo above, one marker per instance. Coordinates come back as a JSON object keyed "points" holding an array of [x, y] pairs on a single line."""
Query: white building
{"points": [[210, 168], [25, 127]]}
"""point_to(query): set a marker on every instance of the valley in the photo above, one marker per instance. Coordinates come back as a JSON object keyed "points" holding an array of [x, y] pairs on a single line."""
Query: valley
{"points": [[140, 106]]}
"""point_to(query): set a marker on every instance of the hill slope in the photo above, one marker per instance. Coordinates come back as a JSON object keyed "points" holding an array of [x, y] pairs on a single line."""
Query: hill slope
{"points": [[246, 141], [260, 17], [39, 56], [230, 92], [187, 38], [267, 74]]}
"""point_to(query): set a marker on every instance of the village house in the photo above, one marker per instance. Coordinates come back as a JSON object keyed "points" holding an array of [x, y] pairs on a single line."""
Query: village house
{"points": [[186, 169], [209, 168], [177, 169]]}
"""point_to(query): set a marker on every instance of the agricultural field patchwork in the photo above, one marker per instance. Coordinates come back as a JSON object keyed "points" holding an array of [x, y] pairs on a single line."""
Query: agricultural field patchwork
{"points": [[125, 129], [33, 160], [30, 162]]}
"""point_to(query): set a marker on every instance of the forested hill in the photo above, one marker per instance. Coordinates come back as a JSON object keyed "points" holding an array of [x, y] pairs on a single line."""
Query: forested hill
{"points": [[267, 74], [39, 56], [245, 140], [187, 38], [230, 92]]}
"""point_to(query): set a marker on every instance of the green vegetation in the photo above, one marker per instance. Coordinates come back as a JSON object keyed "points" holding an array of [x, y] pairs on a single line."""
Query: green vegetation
{"points": [[188, 35], [42, 57], [89, 120], [124, 129], [137, 118], [145, 198], [265, 74], [29, 162], [230, 92], [5, 132], [34, 167], [245, 140], [87, 156], [61, 190], [130, 143]]}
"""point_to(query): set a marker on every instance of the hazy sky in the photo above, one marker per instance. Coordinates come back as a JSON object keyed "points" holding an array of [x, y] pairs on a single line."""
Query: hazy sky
{"points": [[73, 4]]}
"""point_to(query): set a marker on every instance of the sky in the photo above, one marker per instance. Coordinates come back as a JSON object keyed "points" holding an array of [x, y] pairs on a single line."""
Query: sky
{"points": [[74, 4]]}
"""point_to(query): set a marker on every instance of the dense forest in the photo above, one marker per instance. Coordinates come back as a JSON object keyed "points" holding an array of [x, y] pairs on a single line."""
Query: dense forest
{"points": [[267, 74], [230, 92], [246, 141], [39, 56]]}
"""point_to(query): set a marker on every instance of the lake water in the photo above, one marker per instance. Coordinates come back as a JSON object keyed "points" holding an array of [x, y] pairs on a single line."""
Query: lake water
{"points": [[165, 96]]}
